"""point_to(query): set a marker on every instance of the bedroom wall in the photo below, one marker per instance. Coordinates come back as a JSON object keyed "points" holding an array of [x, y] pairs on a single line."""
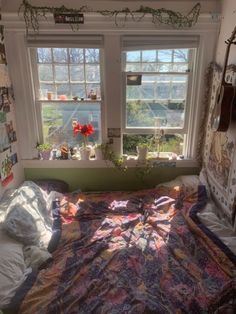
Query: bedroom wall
{"points": [[220, 148], [181, 5], [108, 178], [11, 170]]}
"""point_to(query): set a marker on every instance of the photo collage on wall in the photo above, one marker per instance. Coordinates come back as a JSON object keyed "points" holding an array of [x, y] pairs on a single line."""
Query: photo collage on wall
{"points": [[8, 154]]}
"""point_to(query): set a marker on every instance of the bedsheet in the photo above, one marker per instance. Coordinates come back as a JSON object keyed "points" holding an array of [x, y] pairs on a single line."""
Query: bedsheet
{"points": [[137, 252]]}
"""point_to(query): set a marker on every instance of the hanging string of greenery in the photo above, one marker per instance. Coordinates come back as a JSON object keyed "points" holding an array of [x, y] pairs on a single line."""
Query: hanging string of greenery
{"points": [[159, 16], [32, 15]]}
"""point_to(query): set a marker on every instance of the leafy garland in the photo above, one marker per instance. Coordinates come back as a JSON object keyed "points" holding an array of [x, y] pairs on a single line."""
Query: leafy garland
{"points": [[32, 14]]}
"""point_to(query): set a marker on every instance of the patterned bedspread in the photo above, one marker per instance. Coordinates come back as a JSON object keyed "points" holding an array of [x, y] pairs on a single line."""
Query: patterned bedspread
{"points": [[137, 252]]}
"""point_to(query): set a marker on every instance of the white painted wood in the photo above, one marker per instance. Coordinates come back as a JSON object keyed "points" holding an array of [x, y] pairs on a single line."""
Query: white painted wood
{"points": [[55, 164]]}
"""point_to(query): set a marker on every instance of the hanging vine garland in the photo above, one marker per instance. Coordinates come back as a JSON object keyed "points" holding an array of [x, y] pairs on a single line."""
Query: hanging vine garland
{"points": [[159, 16], [32, 15]]}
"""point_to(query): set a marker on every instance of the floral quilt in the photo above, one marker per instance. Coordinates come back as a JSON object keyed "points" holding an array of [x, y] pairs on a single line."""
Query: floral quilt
{"points": [[133, 252]]}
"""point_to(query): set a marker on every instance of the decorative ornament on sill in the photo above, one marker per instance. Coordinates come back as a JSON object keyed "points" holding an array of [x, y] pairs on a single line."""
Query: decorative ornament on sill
{"points": [[74, 17]]}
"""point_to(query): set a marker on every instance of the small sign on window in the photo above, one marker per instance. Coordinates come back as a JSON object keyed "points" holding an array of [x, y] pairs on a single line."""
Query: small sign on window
{"points": [[134, 79], [69, 18]]}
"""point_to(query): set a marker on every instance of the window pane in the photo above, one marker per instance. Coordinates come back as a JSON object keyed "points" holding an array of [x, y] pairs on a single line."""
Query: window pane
{"points": [[178, 91], [149, 56], [77, 73], [167, 95], [92, 55], [133, 92], [47, 87], [63, 89], [133, 56], [76, 55], [149, 78], [61, 73], [78, 90], [181, 55], [165, 67], [139, 114], [45, 73], [147, 91], [144, 114], [57, 122], [179, 87], [149, 67], [92, 73], [175, 113], [163, 91], [133, 67], [60, 55], [44, 55], [182, 67], [165, 55], [171, 143], [95, 88]]}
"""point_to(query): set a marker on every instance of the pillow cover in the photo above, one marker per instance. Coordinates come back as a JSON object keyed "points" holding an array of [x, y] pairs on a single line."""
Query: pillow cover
{"points": [[187, 180], [13, 270], [20, 225], [49, 185], [218, 225], [31, 201]]}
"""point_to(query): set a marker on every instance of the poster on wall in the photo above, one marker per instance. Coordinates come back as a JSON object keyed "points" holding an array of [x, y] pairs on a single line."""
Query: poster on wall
{"points": [[6, 167], [5, 101], [4, 139], [11, 133]]}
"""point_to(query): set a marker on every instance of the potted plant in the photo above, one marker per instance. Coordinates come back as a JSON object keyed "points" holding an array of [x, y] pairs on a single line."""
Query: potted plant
{"points": [[44, 150], [99, 151], [142, 150], [85, 130]]}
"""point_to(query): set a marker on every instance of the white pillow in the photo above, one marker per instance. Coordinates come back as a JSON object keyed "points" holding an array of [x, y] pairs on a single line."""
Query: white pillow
{"points": [[219, 226], [34, 201], [13, 270], [187, 180]]}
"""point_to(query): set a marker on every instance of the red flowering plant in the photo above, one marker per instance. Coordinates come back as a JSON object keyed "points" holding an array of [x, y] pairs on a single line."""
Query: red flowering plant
{"points": [[84, 129]]}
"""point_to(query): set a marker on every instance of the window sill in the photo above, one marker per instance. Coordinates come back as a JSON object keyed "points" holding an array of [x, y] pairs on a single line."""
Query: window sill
{"points": [[34, 163]]}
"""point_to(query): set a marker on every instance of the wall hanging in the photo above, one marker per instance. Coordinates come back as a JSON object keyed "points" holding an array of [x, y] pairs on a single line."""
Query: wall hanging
{"points": [[33, 14]]}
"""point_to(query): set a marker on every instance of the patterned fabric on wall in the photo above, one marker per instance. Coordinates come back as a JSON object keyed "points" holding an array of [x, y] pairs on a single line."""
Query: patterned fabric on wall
{"points": [[219, 157]]}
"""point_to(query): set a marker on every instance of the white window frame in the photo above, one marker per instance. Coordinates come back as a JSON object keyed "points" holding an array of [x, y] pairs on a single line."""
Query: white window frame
{"points": [[190, 103], [38, 102]]}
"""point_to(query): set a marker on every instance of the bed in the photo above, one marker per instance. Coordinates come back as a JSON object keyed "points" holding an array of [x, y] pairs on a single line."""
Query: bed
{"points": [[144, 251]]}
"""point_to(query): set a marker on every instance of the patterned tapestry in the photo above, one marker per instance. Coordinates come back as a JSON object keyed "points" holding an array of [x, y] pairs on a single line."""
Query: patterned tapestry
{"points": [[219, 156]]}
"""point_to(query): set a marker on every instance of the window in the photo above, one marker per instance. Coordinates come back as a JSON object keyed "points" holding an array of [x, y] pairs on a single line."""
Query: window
{"points": [[157, 94], [68, 84]]}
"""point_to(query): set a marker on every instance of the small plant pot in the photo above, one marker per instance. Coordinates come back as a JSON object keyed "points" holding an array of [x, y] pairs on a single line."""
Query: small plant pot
{"points": [[142, 153], [98, 153], [85, 153], [45, 155]]}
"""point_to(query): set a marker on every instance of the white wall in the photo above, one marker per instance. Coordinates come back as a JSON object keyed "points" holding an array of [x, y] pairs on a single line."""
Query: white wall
{"points": [[184, 5], [228, 23], [18, 171]]}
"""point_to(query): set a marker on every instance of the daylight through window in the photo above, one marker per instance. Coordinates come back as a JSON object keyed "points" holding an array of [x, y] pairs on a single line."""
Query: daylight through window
{"points": [[159, 100], [69, 85]]}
